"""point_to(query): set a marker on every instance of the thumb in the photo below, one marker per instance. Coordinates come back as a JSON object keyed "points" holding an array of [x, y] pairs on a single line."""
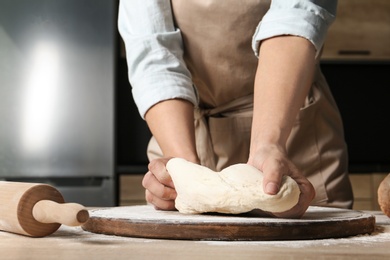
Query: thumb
{"points": [[271, 182], [271, 188]]}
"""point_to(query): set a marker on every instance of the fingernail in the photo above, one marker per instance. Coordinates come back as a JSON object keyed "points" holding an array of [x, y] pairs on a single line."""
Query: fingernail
{"points": [[271, 188]]}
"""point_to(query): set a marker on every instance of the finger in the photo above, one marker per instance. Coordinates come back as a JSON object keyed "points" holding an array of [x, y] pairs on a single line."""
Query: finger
{"points": [[159, 203], [157, 167], [305, 186], [305, 198], [152, 184], [272, 177], [307, 192]]}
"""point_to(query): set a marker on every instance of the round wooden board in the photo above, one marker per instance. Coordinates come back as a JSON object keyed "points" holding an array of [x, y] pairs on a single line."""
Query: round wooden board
{"points": [[146, 222]]}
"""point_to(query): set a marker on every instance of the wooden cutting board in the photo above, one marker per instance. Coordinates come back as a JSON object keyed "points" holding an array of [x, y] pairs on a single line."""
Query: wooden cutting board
{"points": [[146, 222]]}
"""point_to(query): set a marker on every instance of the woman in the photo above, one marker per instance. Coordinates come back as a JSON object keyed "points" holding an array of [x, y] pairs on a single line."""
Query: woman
{"points": [[247, 74]]}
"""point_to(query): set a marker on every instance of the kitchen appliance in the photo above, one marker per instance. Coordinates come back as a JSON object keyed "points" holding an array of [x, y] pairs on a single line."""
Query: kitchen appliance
{"points": [[57, 86]]}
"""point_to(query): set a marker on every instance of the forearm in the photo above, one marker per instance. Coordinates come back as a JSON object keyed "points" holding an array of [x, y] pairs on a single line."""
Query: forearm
{"points": [[284, 76], [172, 124]]}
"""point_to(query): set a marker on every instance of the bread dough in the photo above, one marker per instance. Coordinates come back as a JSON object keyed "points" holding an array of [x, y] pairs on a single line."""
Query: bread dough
{"points": [[236, 189]]}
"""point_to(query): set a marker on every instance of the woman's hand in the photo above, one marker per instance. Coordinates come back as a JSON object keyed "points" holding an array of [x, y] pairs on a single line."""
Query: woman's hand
{"points": [[274, 163], [284, 76], [172, 124], [160, 190]]}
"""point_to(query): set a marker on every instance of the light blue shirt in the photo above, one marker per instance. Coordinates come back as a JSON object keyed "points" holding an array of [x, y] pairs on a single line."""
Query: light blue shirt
{"points": [[154, 46]]}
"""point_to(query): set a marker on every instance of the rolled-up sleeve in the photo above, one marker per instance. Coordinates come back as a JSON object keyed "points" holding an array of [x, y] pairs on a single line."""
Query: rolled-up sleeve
{"points": [[305, 18], [154, 52]]}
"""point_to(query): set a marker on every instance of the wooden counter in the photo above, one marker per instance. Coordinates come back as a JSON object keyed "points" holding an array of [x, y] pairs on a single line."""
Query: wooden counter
{"points": [[74, 243]]}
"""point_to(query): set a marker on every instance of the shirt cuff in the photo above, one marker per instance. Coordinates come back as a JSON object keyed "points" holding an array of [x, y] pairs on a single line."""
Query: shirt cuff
{"points": [[298, 22], [149, 90]]}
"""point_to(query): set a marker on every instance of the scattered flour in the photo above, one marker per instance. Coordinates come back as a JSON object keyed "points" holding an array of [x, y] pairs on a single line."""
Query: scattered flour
{"points": [[380, 236], [148, 213]]}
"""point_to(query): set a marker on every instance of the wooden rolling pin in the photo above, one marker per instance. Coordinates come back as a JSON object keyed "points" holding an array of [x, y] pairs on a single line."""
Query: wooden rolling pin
{"points": [[36, 210]]}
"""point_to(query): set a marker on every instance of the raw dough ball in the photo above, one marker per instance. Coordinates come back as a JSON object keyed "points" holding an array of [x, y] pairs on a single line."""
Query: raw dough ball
{"points": [[236, 189], [384, 195]]}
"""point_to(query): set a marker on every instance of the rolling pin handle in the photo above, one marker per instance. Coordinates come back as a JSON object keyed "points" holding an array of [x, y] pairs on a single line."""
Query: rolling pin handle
{"points": [[70, 214]]}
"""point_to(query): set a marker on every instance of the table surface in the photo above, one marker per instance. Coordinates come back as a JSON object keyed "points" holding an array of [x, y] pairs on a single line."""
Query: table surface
{"points": [[75, 243]]}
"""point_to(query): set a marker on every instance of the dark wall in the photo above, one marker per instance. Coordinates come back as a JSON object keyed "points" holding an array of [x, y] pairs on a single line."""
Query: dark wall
{"points": [[132, 133], [362, 92]]}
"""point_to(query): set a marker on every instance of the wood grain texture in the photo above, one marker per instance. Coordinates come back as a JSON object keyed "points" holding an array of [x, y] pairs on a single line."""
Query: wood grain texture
{"points": [[74, 243], [70, 214], [361, 31], [16, 206], [146, 222]]}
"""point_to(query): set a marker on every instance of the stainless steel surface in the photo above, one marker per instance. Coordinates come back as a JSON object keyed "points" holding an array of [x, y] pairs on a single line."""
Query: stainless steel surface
{"points": [[57, 88]]}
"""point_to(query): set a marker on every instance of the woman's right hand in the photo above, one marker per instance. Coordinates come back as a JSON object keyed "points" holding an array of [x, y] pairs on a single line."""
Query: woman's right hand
{"points": [[160, 190], [172, 124]]}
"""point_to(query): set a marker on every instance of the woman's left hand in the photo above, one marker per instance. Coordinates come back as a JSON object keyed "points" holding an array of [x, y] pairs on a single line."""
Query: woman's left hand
{"points": [[274, 164]]}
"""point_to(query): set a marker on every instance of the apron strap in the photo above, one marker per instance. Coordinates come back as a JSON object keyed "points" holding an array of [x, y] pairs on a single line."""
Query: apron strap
{"points": [[241, 107]]}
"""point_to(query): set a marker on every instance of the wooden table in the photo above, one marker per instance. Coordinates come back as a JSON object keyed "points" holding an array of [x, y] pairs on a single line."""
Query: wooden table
{"points": [[74, 243]]}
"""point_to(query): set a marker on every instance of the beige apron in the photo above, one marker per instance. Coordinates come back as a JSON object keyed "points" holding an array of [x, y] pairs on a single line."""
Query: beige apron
{"points": [[224, 79]]}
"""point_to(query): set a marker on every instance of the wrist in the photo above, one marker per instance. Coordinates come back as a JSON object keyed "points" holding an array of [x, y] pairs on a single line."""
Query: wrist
{"points": [[259, 151], [188, 155], [172, 124], [267, 136]]}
